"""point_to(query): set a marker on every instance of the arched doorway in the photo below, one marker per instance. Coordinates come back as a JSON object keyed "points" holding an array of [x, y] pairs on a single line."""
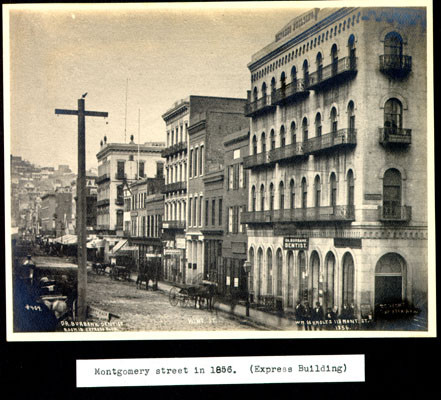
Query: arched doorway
{"points": [[290, 278], [348, 297], [251, 260], [303, 277], [259, 271], [390, 279], [315, 281], [329, 281]]}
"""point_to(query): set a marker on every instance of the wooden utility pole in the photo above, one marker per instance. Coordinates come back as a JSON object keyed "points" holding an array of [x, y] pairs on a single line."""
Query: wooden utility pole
{"points": [[81, 202]]}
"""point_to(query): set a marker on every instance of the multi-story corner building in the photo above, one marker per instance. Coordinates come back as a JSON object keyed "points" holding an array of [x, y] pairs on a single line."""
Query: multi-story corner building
{"points": [[337, 208], [47, 214], [115, 171], [235, 194], [175, 190], [91, 199], [210, 120], [56, 212]]}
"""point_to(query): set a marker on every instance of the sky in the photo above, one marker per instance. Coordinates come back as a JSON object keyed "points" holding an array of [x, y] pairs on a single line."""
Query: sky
{"points": [[151, 54]]}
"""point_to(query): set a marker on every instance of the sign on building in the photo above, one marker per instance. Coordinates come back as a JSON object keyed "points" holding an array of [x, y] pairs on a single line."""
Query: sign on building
{"points": [[295, 243]]}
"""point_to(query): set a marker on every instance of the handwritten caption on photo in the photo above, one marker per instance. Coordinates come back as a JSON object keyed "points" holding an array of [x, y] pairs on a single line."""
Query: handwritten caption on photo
{"points": [[220, 370]]}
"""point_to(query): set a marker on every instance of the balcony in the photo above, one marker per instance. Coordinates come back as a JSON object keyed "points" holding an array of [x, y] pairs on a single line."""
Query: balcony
{"points": [[395, 65], [299, 215], [173, 224], [346, 137], [102, 203], [256, 160], [290, 93], [286, 153], [261, 105], [176, 148], [337, 72], [120, 176], [394, 214], [395, 136], [173, 187], [119, 201], [102, 178]]}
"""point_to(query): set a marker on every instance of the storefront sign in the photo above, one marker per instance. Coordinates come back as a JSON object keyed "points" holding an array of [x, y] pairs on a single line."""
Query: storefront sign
{"points": [[295, 243], [372, 196], [180, 243], [353, 243], [172, 252]]}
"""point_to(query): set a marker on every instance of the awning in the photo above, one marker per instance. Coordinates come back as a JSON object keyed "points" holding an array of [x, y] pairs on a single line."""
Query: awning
{"points": [[123, 245], [66, 239], [95, 244]]}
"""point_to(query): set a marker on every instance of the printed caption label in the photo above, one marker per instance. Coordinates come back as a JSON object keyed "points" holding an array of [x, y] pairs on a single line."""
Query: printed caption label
{"points": [[220, 370]]}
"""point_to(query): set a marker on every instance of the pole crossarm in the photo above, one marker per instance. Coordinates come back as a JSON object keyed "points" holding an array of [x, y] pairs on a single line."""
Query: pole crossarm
{"points": [[85, 113]]}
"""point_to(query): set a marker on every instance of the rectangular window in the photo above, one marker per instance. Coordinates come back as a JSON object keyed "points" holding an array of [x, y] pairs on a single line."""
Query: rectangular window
{"points": [[189, 211], [190, 168], [213, 212], [230, 220], [230, 177], [241, 176], [200, 211], [195, 162], [241, 227], [220, 212], [194, 210], [201, 161], [141, 169], [206, 212], [120, 170]]}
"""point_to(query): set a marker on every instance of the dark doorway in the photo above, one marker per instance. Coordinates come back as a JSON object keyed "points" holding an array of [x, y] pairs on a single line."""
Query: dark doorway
{"points": [[388, 289]]}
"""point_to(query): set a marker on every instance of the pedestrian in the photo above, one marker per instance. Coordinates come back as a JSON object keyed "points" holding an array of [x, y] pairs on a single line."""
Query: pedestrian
{"points": [[307, 317], [300, 313], [317, 316], [330, 318]]}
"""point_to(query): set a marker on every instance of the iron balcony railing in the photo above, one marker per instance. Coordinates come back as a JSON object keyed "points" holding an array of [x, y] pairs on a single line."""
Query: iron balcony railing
{"points": [[256, 160], [290, 92], [342, 68], [395, 64], [173, 224], [255, 107], [173, 187], [392, 136], [311, 214], [394, 213], [287, 152], [101, 203], [176, 148], [102, 178], [339, 138]]}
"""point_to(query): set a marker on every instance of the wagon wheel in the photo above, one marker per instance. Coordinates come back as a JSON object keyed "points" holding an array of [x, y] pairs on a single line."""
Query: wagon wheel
{"points": [[174, 296], [184, 297]]}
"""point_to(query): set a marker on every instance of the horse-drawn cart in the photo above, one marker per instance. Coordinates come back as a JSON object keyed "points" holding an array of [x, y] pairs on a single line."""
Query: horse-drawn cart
{"points": [[202, 294]]}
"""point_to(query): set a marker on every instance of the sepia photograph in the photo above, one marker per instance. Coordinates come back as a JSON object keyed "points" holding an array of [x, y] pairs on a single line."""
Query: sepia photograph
{"points": [[219, 170]]}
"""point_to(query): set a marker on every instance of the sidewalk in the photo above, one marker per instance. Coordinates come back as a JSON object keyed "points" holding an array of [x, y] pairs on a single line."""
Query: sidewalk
{"points": [[258, 317]]}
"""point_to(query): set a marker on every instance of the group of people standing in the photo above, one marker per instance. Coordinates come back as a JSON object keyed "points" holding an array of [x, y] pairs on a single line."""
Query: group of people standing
{"points": [[315, 318]]}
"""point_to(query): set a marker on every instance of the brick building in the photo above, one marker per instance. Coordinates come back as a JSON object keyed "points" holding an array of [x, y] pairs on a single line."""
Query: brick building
{"points": [[337, 208]]}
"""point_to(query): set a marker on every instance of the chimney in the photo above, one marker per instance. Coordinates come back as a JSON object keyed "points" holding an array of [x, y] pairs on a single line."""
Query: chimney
{"points": [[105, 139], [131, 139]]}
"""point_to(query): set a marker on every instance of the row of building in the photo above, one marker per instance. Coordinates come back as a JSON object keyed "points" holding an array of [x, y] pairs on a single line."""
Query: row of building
{"points": [[313, 188]]}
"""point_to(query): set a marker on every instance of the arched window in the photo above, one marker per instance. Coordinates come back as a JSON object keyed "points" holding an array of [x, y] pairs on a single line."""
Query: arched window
{"points": [[254, 145], [294, 75], [255, 94], [351, 51], [333, 190], [263, 142], [334, 59], [253, 198], [392, 193], [273, 86], [293, 133], [317, 191], [282, 136], [251, 260], [348, 280], [304, 193], [329, 280], [393, 45], [390, 279], [271, 197], [303, 276], [319, 61], [292, 195], [269, 275], [290, 278], [350, 183], [315, 278], [305, 73], [259, 270], [318, 125], [305, 129], [263, 90], [351, 116], [279, 259], [281, 196], [393, 119], [283, 80], [272, 139], [334, 120], [262, 197]]}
